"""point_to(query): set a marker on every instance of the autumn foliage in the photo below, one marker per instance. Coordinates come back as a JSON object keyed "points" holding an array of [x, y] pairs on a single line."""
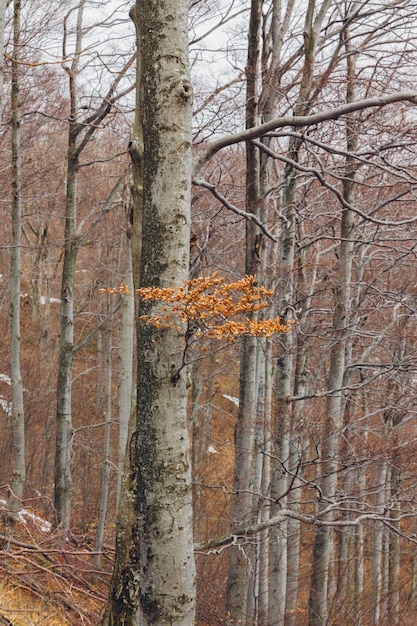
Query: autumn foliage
{"points": [[212, 308]]}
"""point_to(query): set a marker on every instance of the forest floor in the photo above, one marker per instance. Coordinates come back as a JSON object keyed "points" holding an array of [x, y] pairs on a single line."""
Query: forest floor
{"points": [[48, 579]]}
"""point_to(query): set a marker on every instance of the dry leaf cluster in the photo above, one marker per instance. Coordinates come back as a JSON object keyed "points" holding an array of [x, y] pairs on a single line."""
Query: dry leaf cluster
{"points": [[212, 308]]}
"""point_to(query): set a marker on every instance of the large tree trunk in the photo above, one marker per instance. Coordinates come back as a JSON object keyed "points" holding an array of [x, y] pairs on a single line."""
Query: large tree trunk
{"points": [[166, 575], [18, 415], [160, 460]]}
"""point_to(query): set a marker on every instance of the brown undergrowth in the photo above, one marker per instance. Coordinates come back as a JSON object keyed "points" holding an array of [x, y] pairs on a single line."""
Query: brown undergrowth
{"points": [[49, 579]]}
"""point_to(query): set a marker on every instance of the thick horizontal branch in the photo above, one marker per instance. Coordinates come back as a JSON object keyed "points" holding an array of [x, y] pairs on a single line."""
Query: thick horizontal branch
{"points": [[241, 533], [299, 122], [235, 537]]}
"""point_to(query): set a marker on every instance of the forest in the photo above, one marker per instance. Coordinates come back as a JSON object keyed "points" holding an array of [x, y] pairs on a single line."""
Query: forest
{"points": [[208, 295]]}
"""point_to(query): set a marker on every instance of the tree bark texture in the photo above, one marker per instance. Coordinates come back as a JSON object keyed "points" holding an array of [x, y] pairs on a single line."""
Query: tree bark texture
{"points": [[18, 414], [165, 574], [105, 474], [126, 363]]}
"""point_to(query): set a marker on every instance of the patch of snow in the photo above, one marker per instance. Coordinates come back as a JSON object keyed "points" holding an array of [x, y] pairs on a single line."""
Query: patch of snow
{"points": [[5, 379], [213, 450], [43, 525], [232, 399], [6, 406], [43, 300]]}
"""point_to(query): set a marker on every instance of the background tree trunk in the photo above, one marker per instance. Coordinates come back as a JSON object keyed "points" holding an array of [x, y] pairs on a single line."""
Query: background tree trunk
{"points": [[105, 474], [64, 428], [18, 414], [126, 363], [323, 546], [241, 558], [3, 7]]}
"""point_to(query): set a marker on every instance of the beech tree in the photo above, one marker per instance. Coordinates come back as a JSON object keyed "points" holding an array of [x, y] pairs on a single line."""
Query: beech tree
{"points": [[80, 133], [3, 7], [18, 414], [132, 588], [151, 592]]}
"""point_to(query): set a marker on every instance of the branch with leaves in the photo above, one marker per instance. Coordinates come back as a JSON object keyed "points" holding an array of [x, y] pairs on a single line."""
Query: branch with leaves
{"points": [[209, 307]]}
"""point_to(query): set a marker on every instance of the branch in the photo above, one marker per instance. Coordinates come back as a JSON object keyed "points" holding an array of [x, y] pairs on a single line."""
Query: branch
{"points": [[339, 195], [93, 121], [95, 330], [104, 210], [248, 216], [232, 538], [299, 121]]}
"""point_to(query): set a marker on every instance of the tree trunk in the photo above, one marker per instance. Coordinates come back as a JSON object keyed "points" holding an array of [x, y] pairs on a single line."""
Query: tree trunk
{"points": [[306, 285], [105, 474], [79, 136], [377, 577], [323, 540], [283, 422], [240, 557], [160, 459], [3, 7], [123, 600], [126, 363], [64, 429], [18, 415], [265, 508], [394, 608]]}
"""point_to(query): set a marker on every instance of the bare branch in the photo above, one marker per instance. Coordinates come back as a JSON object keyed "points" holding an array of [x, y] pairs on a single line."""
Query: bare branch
{"points": [[299, 121], [248, 216]]}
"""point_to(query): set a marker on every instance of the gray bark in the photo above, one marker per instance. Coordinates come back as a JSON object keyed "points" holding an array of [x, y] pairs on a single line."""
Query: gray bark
{"points": [[162, 580], [283, 418], [166, 575], [394, 582], [306, 285], [123, 600], [18, 415], [3, 7], [265, 508], [377, 577], [105, 474], [241, 559], [126, 363], [64, 429], [323, 540]]}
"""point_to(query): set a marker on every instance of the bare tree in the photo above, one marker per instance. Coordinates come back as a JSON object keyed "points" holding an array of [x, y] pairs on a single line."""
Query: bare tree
{"points": [[80, 133], [18, 414], [3, 7]]}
